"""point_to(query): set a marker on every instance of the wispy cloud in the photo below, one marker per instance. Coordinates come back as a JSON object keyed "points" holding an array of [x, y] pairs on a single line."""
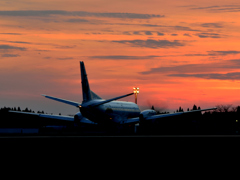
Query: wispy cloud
{"points": [[12, 33], [121, 57], [19, 42], [8, 47], [77, 20], [226, 76], [65, 58], [196, 68], [183, 28], [186, 34], [178, 28], [208, 35], [212, 25], [218, 9], [10, 55], [66, 47], [150, 43], [215, 53], [149, 33], [222, 53], [78, 13]]}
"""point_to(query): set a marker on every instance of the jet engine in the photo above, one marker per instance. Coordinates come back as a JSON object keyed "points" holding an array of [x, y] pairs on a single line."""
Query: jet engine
{"points": [[146, 113], [77, 118]]}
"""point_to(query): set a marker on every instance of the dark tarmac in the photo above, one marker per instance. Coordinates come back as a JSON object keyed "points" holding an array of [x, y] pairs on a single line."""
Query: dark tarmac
{"points": [[120, 136]]}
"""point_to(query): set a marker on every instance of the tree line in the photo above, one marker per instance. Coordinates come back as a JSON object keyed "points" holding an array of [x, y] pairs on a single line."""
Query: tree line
{"points": [[19, 109]]}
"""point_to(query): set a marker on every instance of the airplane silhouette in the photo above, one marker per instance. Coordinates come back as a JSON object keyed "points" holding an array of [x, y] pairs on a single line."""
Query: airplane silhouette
{"points": [[95, 110]]}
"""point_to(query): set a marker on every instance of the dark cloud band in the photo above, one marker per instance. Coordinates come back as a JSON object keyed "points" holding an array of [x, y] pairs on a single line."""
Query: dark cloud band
{"points": [[150, 43], [206, 71], [227, 76], [79, 13], [218, 9], [120, 57], [8, 47]]}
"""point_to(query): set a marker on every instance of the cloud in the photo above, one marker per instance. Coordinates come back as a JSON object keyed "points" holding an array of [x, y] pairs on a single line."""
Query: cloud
{"points": [[12, 33], [215, 53], [150, 43], [77, 20], [123, 57], [66, 47], [208, 35], [149, 33], [178, 28], [183, 28], [78, 13], [186, 34], [160, 34], [48, 57], [137, 32], [10, 55], [195, 68], [212, 25], [66, 58], [127, 33], [189, 68], [218, 9], [7, 47], [222, 53], [19, 42], [227, 76]]}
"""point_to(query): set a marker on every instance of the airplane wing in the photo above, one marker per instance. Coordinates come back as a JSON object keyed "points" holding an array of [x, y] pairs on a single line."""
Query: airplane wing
{"points": [[109, 100], [56, 117], [176, 114], [159, 116]]}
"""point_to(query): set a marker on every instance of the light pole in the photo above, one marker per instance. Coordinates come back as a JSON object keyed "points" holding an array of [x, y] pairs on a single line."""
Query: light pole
{"points": [[136, 91]]}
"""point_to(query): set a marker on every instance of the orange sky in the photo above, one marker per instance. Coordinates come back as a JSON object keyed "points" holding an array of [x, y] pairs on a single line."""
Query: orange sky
{"points": [[179, 53]]}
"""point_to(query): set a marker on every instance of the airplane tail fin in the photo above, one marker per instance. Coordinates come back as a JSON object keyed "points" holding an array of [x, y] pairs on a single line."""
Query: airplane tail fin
{"points": [[86, 92], [95, 96]]}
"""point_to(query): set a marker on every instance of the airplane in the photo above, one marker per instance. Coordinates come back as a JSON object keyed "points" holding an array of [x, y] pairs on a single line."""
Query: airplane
{"points": [[110, 112]]}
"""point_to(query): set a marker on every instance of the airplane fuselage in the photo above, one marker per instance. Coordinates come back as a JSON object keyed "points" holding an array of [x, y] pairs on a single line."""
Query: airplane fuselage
{"points": [[114, 111]]}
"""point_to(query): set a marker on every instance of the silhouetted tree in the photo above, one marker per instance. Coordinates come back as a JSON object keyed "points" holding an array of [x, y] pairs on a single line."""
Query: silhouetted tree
{"points": [[238, 109], [223, 108], [194, 107], [234, 109], [19, 108], [180, 109], [26, 110]]}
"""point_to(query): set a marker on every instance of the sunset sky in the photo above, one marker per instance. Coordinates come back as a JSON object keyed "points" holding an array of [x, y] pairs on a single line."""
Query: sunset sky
{"points": [[178, 52]]}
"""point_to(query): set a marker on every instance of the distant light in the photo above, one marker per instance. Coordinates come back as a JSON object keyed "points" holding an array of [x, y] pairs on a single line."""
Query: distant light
{"points": [[236, 121], [136, 90]]}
